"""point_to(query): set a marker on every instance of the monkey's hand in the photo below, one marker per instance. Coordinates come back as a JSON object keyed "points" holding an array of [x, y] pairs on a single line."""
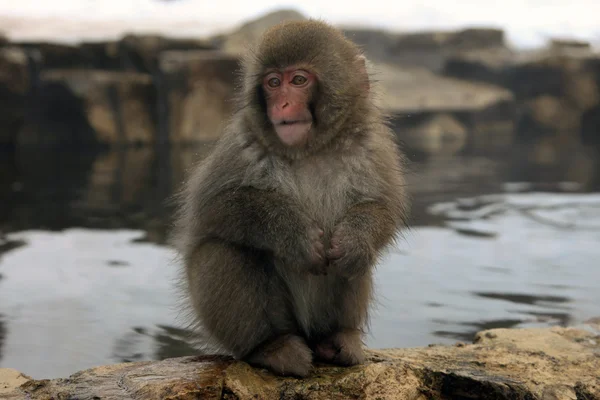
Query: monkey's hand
{"points": [[349, 254], [313, 253], [365, 230]]}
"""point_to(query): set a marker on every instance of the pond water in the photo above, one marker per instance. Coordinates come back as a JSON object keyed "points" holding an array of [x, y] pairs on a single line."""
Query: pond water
{"points": [[85, 277]]}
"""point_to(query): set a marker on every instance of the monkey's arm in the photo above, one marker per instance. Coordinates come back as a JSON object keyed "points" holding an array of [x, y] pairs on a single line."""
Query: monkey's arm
{"points": [[377, 222], [266, 220], [377, 214], [366, 229]]}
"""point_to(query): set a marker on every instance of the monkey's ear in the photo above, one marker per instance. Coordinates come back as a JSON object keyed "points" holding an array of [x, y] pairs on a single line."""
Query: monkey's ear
{"points": [[361, 66]]}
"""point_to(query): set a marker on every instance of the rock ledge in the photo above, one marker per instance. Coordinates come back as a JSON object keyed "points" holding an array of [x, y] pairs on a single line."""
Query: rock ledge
{"points": [[541, 363]]}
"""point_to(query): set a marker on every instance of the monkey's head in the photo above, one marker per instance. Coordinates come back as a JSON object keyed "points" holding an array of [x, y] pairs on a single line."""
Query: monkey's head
{"points": [[303, 85]]}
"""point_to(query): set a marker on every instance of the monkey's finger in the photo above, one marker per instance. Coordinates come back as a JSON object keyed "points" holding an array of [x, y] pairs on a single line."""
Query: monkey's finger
{"points": [[319, 249], [335, 252]]}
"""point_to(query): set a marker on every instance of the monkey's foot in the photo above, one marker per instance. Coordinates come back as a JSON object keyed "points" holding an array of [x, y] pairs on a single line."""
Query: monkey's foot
{"points": [[286, 355], [342, 348]]}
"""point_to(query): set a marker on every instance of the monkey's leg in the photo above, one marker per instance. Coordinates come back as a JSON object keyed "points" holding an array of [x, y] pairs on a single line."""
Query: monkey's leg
{"points": [[343, 346], [242, 303], [286, 355], [356, 243]]}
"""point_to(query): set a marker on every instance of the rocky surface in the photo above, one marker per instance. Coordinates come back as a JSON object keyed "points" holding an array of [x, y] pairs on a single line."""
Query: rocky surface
{"points": [[91, 107], [482, 114], [545, 98], [423, 90], [199, 89], [590, 126], [570, 44], [14, 86], [238, 41], [570, 74], [142, 52], [437, 133], [132, 52], [58, 55], [557, 91], [532, 73], [541, 363], [487, 66], [428, 50], [376, 44], [11, 379]]}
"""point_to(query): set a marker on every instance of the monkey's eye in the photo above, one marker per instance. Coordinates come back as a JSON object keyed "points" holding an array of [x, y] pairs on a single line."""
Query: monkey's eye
{"points": [[299, 80], [273, 82]]}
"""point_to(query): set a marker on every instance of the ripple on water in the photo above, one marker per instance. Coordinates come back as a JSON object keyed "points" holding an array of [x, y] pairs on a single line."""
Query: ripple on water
{"points": [[503, 260]]}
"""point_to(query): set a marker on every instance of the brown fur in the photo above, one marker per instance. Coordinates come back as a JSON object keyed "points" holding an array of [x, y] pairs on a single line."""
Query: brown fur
{"points": [[250, 215]]}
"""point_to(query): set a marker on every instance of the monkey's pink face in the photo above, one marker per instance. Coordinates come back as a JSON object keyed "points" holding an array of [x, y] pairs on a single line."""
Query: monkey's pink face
{"points": [[288, 94]]}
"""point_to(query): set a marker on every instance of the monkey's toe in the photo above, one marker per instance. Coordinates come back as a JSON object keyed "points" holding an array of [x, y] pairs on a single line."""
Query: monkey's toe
{"points": [[326, 351], [286, 355], [343, 348], [335, 252], [350, 356]]}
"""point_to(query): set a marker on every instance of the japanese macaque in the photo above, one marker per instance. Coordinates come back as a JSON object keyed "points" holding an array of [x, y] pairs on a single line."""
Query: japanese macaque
{"points": [[281, 226]]}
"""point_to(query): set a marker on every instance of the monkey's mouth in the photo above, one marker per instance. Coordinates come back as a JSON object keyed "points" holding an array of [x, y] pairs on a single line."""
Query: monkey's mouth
{"points": [[293, 132], [293, 122]]}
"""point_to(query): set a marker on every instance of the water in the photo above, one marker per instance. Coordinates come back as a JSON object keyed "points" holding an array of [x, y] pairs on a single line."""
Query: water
{"points": [[85, 277]]}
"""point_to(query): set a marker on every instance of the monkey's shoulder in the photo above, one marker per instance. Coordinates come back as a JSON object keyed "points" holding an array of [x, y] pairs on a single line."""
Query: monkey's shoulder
{"points": [[356, 166]]}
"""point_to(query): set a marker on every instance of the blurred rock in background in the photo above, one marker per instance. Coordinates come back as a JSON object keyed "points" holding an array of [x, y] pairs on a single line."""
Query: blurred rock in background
{"points": [[237, 42], [448, 92], [199, 87], [15, 83], [85, 107]]}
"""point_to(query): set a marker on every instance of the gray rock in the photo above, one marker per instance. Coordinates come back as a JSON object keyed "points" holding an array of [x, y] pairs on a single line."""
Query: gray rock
{"points": [[57, 55], [590, 128], [428, 50], [376, 44], [15, 84], [487, 65], [436, 134], [570, 44], [249, 33], [199, 86], [415, 97], [133, 52], [142, 52], [417, 89], [86, 107], [557, 91]]}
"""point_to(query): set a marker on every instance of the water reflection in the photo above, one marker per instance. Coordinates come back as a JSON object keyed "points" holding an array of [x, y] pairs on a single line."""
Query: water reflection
{"points": [[521, 298], [125, 188], [130, 187], [467, 333], [162, 342], [555, 318], [8, 245]]}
